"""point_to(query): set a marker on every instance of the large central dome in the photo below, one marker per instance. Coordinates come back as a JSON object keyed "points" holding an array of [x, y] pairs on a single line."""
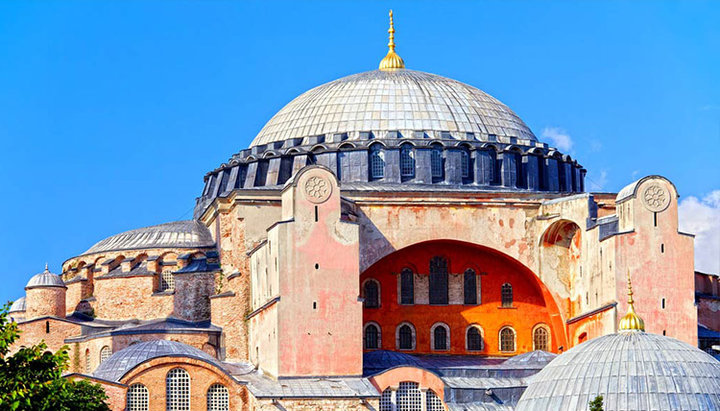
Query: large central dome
{"points": [[398, 100]]}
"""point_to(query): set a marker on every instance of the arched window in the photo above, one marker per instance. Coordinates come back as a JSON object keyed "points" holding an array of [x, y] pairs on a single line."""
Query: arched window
{"points": [[87, 361], [470, 287], [386, 400], [177, 390], [371, 292], [372, 336], [433, 402], [407, 287], [218, 398], [436, 162], [438, 280], [405, 337], [465, 163], [408, 397], [474, 340], [377, 163], [507, 295], [137, 398], [407, 161], [439, 337], [167, 281], [507, 339], [105, 353], [541, 339]]}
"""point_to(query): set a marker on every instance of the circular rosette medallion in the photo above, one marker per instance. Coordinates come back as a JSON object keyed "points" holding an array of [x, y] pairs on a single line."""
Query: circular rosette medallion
{"points": [[317, 189], [656, 198]]}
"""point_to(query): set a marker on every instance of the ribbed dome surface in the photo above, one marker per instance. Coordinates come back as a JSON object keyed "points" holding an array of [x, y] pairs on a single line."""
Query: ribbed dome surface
{"points": [[396, 100], [115, 367], [177, 234], [45, 279], [18, 305], [633, 371]]}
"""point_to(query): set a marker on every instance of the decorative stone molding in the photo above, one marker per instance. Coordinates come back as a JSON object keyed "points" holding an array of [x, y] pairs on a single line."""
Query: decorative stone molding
{"points": [[317, 189], [655, 197]]}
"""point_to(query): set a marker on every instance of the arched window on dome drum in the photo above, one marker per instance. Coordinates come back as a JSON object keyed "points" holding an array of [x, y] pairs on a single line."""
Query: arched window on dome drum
{"points": [[405, 337], [433, 402], [541, 339], [177, 390], [507, 339], [167, 281], [377, 163], [218, 398], [438, 280], [474, 339], [372, 337], [440, 337], [436, 163], [465, 163], [408, 397], [137, 398], [407, 161], [104, 353], [371, 293], [507, 295], [470, 287], [407, 286]]}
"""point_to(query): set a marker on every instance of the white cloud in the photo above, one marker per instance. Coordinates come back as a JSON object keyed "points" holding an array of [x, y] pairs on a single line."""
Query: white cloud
{"points": [[702, 218], [559, 138], [597, 183]]}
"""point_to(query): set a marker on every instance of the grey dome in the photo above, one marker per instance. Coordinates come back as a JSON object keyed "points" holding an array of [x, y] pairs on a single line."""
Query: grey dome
{"points": [[397, 100], [177, 234], [118, 364], [45, 279], [632, 371], [18, 305]]}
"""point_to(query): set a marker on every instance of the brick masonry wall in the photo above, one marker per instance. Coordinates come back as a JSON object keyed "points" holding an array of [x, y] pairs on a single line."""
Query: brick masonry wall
{"points": [[45, 301], [127, 298]]}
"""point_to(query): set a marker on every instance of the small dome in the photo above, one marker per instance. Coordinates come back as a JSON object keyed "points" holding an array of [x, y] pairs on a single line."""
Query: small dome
{"points": [[45, 279], [632, 370], [177, 234], [121, 362], [18, 305]]}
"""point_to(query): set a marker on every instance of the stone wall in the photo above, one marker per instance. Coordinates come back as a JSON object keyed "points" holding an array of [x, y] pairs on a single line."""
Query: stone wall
{"points": [[42, 301]]}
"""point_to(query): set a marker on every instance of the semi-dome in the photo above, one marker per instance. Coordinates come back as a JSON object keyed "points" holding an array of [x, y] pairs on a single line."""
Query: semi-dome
{"points": [[18, 305], [177, 234], [381, 101], [45, 279], [118, 364]]}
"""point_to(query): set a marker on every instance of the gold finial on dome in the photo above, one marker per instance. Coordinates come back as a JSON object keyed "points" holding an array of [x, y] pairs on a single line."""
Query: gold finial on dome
{"points": [[631, 321], [391, 61]]}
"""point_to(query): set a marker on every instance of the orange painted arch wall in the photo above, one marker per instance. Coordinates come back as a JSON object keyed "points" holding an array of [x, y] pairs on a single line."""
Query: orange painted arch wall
{"points": [[533, 304]]}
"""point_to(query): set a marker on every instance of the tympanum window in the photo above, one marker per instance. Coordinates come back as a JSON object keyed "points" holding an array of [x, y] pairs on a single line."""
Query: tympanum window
{"points": [[407, 287], [440, 337], [177, 390], [541, 339], [507, 295], [405, 337], [474, 339], [438, 280], [371, 294], [507, 339], [372, 337], [137, 398], [218, 398], [470, 286]]}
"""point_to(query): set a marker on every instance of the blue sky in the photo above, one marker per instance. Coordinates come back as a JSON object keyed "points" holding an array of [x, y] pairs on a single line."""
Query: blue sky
{"points": [[111, 112]]}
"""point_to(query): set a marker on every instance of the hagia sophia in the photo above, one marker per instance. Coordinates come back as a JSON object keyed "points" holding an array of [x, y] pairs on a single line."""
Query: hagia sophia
{"points": [[393, 240]]}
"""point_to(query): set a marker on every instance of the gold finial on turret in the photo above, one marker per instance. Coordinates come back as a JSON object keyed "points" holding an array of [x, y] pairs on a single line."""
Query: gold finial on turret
{"points": [[391, 61], [631, 321]]}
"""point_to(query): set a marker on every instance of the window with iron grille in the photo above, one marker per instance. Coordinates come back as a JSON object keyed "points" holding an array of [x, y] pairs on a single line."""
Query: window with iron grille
{"points": [[137, 398], [465, 163], [438, 280], [440, 337], [372, 337], [407, 161], [436, 162], [540, 339], [474, 339], [407, 286], [507, 339], [470, 287], [386, 400], [177, 390], [371, 294], [105, 353], [433, 402], [377, 163], [405, 337], [507, 295], [408, 397], [167, 281], [218, 398]]}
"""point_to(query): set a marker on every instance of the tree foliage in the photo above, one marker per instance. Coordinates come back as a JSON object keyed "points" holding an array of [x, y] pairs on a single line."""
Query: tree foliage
{"points": [[31, 378], [597, 404]]}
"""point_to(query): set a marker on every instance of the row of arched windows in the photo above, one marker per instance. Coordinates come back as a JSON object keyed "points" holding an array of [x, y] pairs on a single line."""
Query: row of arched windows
{"points": [[177, 394], [405, 338], [105, 353], [376, 163]]}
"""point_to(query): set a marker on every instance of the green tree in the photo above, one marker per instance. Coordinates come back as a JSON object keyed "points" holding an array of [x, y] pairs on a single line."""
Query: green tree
{"points": [[597, 404], [31, 378]]}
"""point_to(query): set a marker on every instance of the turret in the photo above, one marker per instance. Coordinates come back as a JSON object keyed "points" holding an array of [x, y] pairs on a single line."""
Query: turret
{"points": [[45, 295]]}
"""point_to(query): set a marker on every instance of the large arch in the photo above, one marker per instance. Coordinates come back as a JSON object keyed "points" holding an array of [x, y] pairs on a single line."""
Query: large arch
{"points": [[560, 252], [533, 303]]}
